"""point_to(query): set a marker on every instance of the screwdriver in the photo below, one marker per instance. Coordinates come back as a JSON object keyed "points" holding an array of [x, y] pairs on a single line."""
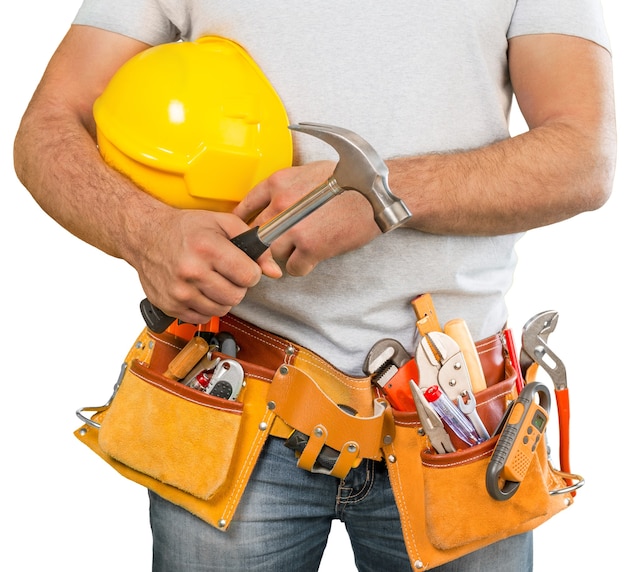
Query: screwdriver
{"points": [[452, 416]]}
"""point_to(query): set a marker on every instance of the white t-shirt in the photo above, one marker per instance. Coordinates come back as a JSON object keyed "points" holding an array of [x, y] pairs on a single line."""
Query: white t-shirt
{"points": [[411, 77]]}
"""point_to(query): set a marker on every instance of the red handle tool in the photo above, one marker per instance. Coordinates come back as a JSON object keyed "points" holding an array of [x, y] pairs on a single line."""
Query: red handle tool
{"points": [[535, 352]]}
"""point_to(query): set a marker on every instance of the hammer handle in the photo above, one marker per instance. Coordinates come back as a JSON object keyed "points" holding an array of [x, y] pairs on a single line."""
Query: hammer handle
{"points": [[250, 243], [309, 203], [158, 321]]}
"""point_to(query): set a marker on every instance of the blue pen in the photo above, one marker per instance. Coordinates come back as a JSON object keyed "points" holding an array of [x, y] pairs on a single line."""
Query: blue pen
{"points": [[451, 415]]}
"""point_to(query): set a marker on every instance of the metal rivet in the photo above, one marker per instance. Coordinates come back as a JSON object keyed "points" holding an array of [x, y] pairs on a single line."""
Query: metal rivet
{"points": [[452, 382], [221, 523], [457, 365], [419, 564], [351, 448], [139, 345], [318, 432], [387, 439], [151, 344], [83, 431], [262, 426], [271, 405], [290, 350], [391, 458], [283, 370], [421, 432]]}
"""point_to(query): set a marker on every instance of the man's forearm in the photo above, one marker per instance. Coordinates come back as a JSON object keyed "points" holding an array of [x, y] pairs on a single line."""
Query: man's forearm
{"points": [[58, 161], [561, 167], [185, 261], [538, 178]]}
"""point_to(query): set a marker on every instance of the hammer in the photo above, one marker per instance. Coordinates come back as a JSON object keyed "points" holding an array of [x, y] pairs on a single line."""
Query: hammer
{"points": [[359, 168]]}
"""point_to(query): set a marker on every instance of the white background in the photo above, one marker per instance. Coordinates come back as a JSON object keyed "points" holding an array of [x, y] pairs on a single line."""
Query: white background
{"points": [[70, 313]]}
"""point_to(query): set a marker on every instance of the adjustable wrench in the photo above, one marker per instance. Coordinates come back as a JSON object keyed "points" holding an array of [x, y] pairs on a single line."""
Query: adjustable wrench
{"points": [[391, 368], [535, 350]]}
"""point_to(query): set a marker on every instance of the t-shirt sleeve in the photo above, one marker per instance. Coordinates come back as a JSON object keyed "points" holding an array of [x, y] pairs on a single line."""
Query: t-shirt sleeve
{"points": [[143, 20], [583, 18]]}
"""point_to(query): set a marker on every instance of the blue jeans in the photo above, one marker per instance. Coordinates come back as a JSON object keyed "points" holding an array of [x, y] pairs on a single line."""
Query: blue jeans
{"points": [[284, 519]]}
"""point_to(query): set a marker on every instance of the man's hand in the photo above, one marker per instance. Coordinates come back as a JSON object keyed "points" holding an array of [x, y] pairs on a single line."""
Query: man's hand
{"points": [[345, 223], [192, 270]]}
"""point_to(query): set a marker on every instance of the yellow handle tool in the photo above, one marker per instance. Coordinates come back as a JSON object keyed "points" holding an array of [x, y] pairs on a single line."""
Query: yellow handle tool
{"points": [[189, 356], [457, 329], [425, 313]]}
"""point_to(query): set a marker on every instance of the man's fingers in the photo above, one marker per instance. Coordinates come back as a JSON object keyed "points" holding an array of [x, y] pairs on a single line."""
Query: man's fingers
{"points": [[269, 266]]}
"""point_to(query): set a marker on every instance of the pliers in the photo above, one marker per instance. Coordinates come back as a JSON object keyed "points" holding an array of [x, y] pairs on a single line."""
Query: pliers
{"points": [[535, 352], [431, 423], [440, 362]]}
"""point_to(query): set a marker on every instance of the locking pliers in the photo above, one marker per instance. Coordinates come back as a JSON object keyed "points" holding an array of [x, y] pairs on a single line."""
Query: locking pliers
{"points": [[440, 362]]}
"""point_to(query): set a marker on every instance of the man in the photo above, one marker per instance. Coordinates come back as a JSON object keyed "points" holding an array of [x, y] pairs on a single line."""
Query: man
{"points": [[429, 85]]}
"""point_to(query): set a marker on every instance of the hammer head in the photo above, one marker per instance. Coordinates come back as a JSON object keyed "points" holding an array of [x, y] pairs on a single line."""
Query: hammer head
{"points": [[361, 169]]}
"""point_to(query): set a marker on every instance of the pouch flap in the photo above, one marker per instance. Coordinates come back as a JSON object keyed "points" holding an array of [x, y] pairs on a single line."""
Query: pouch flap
{"points": [[179, 441]]}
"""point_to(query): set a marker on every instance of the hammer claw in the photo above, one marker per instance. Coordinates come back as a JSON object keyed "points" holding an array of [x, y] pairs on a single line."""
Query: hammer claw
{"points": [[360, 168]]}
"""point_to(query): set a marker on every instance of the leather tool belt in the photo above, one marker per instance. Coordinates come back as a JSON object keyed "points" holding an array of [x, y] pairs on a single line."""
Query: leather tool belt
{"points": [[198, 451]]}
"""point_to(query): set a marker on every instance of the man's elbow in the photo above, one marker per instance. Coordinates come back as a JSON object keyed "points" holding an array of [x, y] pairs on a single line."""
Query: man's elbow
{"points": [[603, 164], [20, 155]]}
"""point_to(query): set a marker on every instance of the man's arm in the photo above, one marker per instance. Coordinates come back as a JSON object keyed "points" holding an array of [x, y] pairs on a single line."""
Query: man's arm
{"points": [[561, 167], [184, 259]]}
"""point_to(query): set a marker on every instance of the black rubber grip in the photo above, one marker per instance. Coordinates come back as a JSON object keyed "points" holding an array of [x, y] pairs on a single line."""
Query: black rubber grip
{"points": [[250, 243], [156, 320]]}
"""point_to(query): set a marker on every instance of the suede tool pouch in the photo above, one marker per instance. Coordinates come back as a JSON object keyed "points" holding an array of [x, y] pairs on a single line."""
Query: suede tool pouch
{"points": [[444, 505], [191, 448]]}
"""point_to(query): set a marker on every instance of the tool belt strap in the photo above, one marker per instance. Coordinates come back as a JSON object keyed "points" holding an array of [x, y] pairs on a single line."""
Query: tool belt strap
{"points": [[258, 346], [320, 387]]}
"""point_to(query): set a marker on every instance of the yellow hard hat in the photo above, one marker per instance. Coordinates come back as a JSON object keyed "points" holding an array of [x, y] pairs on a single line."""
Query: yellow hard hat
{"points": [[195, 124]]}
